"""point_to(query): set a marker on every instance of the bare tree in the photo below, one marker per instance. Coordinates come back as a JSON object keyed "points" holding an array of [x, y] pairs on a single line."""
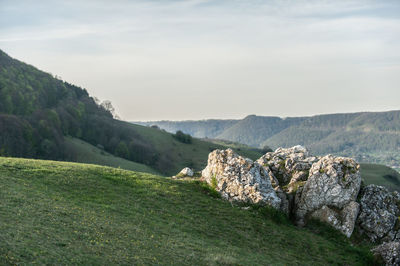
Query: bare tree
{"points": [[107, 105]]}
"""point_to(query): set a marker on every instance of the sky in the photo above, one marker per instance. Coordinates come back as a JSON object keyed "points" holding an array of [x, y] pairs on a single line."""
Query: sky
{"points": [[200, 59]]}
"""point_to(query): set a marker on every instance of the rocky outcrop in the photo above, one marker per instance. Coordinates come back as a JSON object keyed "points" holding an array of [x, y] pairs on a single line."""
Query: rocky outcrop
{"points": [[379, 213], [388, 252], [239, 179], [308, 187], [312, 187], [330, 193]]}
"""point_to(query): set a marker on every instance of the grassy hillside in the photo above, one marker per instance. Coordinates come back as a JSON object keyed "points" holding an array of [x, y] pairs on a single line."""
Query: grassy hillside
{"points": [[66, 213], [39, 113], [381, 175], [83, 152], [180, 154]]}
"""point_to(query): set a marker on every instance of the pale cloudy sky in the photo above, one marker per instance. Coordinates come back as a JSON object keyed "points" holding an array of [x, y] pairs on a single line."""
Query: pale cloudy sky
{"points": [[199, 59]]}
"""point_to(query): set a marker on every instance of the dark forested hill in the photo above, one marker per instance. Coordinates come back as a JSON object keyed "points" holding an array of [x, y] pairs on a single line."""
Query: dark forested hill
{"points": [[38, 111], [368, 136]]}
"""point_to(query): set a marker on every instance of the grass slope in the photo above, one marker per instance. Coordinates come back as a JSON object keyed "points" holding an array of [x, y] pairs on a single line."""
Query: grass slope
{"points": [[83, 152], [380, 175], [182, 155], [68, 213]]}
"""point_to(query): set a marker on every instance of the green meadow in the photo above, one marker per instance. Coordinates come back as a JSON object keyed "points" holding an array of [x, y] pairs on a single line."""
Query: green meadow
{"points": [[68, 213]]}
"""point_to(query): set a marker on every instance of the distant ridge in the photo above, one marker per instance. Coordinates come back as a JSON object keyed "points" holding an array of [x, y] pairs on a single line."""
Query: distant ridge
{"points": [[367, 136]]}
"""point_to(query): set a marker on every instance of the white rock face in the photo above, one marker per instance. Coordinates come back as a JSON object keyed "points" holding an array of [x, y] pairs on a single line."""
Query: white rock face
{"points": [[330, 193], [379, 213], [389, 252], [343, 220], [185, 172], [240, 179]]}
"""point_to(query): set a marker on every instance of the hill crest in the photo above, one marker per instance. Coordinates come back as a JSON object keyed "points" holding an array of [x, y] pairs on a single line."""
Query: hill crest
{"points": [[372, 137]]}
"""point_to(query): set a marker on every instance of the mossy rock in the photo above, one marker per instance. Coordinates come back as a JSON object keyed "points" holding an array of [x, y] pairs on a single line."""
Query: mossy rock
{"points": [[294, 186]]}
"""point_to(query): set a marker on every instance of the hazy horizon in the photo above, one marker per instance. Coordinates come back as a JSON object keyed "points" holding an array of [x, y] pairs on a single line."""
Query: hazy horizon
{"points": [[243, 117], [198, 59]]}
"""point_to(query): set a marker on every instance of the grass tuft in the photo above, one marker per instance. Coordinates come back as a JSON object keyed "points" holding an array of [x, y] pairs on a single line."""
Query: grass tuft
{"points": [[207, 189]]}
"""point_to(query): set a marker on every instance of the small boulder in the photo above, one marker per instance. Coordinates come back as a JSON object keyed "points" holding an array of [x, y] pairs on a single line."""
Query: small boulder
{"points": [[379, 213], [330, 192], [185, 172], [239, 179], [388, 252]]}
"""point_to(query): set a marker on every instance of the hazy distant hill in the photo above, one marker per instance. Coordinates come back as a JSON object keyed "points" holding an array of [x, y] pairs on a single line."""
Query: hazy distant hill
{"points": [[200, 129], [368, 136], [246, 131], [253, 130]]}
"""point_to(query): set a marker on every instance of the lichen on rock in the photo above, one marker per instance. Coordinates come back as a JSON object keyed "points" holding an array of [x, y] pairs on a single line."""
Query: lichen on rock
{"points": [[288, 165], [388, 252], [288, 169], [330, 193], [379, 213], [239, 179]]}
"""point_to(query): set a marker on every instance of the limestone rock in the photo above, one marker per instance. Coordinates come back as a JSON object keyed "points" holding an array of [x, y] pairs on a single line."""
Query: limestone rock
{"points": [[330, 193], [240, 179], [185, 172], [285, 205], [379, 213], [343, 220], [288, 166], [323, 188], [288, 169], [389, 252]]}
